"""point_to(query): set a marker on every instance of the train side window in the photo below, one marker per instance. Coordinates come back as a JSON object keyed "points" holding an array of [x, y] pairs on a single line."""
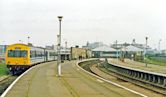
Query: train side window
{"points": [[35, 53], [32, 54]]}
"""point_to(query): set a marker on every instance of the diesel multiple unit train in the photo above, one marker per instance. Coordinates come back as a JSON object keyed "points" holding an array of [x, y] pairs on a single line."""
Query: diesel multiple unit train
{"points": [[19, 57]]}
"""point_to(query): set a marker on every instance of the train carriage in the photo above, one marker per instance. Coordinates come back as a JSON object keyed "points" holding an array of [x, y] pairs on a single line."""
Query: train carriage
{"points": [[19, 57], [37, 55], [51, 55]]}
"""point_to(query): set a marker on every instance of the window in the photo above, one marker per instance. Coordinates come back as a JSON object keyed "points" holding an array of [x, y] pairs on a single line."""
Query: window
{"points": [[23, 53], [17, 53], [10, 53], [33, 54]]}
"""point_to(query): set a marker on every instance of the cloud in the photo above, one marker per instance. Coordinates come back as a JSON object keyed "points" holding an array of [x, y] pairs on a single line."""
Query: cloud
{"points": [[84, 20]]}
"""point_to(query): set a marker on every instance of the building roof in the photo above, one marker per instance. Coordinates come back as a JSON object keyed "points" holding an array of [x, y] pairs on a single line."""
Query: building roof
{"points": [[104, 48], [132, 49]]}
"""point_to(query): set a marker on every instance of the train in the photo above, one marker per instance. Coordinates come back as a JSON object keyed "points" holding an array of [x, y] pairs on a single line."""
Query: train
{"points": [[20, 57]]}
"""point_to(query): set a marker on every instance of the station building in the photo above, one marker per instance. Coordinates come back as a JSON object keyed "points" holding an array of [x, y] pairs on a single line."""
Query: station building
{"points": [[105, 52], [65, 54], [132, 52], [80, 53]]}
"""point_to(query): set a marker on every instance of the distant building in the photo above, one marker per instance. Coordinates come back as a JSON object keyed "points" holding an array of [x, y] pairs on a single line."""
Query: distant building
{"points": [[88, 53], [65, 54], [138, 45], [132, 48], [105, 52], [94, 45], [50, 47], [2, 51], [119, 46], [153, 52], [132, 52], [80, 53]]}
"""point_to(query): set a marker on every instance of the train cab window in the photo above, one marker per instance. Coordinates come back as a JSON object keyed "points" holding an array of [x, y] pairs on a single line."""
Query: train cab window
{"points": [[17, 53], [10, 53], [23, 53], [13, 53]]}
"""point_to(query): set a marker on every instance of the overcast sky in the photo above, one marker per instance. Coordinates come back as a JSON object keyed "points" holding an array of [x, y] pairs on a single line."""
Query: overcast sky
{"points": [[84, 20]]}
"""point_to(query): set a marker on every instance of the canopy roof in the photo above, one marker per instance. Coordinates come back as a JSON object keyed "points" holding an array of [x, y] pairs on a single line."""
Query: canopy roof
{"points": [[132, 48], [104, 49]]}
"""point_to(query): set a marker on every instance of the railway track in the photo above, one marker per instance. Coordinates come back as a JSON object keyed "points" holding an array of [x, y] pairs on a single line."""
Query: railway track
{"points": [[87, 68], [4, 83], [136, 79], [103, 67]]}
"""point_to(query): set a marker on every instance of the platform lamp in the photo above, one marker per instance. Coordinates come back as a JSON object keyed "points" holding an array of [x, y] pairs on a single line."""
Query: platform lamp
{"points": [[116, 42], [59, 47], [146, 38], [28, 39], [65, 50]]}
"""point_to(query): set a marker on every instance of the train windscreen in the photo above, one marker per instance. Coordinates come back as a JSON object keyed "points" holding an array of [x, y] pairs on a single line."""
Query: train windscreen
{"points": [[17, 53]]}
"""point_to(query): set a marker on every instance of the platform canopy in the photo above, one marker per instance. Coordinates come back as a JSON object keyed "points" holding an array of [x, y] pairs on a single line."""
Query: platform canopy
{"points": [[132, 49], [104, 49]]}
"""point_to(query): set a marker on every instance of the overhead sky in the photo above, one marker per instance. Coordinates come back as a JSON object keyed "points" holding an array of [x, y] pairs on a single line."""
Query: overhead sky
{"points": [[84, 20]]}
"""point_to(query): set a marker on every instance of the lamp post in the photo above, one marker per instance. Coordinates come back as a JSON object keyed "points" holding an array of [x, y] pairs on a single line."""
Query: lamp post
{"points": [[159, 46], [28, 39], [20, 41], [116, 42], [146, 50], [65, 50], [59, 47]]}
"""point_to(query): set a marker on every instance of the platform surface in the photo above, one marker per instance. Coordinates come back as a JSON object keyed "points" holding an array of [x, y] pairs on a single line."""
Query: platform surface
{"points": [[42, 81], [138, 65]]}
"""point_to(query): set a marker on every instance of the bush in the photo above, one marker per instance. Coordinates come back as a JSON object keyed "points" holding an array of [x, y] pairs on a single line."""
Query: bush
{"points": [[3, 69]]}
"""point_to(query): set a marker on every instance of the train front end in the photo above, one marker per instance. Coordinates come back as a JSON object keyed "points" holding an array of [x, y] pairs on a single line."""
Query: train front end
{"points": [[18, 57]]}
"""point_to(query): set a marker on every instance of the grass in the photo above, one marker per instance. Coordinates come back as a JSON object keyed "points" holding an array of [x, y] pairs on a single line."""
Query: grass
{"points": [[156, 61], [3, 69]]}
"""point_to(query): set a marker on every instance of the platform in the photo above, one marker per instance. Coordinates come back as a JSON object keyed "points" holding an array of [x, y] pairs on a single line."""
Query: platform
{"points": [[42, 81], [139, 65]]}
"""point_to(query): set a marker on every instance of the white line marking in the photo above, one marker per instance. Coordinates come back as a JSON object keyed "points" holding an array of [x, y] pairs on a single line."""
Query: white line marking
{"points": [[78, 69], [99, 80], [11, 85], [109, 80]]}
